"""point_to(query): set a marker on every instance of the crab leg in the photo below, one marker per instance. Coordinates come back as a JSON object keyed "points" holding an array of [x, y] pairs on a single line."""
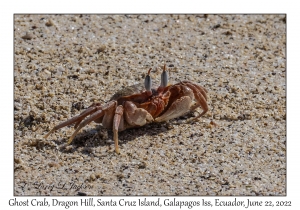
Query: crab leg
{"points": [[72, 120], [116, 123], [87, 112], [94, 116], [99, 113], [199, 98], [201, 89]]}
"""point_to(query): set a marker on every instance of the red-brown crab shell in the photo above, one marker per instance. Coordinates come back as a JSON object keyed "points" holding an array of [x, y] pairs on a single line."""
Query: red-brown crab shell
{"points": [[133, 106]]}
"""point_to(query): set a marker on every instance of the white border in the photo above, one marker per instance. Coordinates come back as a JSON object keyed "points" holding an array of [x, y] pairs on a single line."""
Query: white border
{"points": [[153, 6]]}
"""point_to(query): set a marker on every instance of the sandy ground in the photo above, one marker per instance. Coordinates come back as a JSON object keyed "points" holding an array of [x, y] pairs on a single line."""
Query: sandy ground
{"points": [[64, 63]]}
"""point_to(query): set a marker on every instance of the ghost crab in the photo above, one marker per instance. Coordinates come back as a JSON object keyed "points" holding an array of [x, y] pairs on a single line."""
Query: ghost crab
{"points": [[134, 107]]}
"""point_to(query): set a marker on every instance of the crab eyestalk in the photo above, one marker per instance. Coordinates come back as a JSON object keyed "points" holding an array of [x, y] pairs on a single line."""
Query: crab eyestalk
{"points": [[148, 83], [164, 78]]}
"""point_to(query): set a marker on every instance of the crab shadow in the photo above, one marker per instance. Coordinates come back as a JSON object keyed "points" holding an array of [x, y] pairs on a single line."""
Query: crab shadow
{"points": [[99, 137]]}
